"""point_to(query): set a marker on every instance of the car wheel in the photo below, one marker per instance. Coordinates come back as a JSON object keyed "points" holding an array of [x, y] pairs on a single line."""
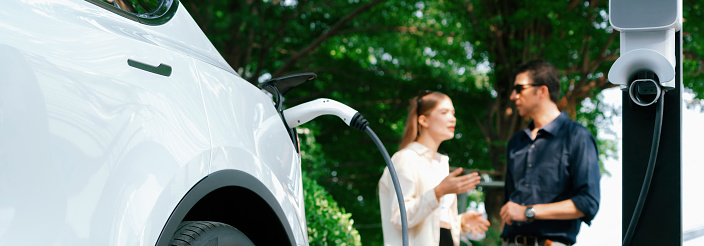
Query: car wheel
{"points": [[207, 233]]}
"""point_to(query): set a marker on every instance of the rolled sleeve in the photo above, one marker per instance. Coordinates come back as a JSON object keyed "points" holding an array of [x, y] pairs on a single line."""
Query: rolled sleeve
{"points": [[587, 175]]}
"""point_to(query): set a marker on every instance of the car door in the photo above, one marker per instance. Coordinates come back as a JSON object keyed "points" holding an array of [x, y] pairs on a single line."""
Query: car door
{"points": [[97, 124]]}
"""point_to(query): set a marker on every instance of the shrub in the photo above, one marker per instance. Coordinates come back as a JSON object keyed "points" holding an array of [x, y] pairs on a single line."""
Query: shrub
{"points": [[328, 224]]}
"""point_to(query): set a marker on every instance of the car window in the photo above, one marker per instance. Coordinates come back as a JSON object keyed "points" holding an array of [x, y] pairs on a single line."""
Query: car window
{"points": [[136, 6], [152, 12]]}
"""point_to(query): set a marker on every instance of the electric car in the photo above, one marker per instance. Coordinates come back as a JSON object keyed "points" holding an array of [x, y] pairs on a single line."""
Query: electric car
{"points": [[121, 124]]}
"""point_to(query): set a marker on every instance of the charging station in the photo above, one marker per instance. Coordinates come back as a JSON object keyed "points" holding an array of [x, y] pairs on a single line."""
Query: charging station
{"points": [[649, 72]]}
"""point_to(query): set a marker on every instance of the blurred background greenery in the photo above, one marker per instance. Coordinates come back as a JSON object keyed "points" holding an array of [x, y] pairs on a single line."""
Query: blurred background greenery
{"points": [[374, 55]]}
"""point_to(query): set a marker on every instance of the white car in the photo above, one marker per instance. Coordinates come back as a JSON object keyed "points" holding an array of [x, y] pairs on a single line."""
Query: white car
{"points": [[121, 124]]}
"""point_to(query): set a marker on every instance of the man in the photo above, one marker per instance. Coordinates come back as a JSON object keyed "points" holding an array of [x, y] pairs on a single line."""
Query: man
{"points": [[552, 168]]}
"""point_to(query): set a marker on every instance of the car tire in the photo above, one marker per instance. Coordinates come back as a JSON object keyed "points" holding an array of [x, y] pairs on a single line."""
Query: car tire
{"points": [[208, 233]]}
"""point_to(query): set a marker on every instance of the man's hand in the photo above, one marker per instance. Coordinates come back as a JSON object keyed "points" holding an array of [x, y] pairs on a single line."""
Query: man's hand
{"points": [[453, 184], [473, 221], [512, 211]]}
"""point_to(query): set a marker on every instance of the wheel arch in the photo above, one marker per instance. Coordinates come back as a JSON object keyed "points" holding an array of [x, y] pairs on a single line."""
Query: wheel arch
{"points": [[236, 198]]}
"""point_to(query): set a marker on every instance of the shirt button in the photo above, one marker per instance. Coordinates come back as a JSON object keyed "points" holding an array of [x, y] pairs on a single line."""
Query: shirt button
{"points": [[530, 165], [532, 146], [527, 185]]}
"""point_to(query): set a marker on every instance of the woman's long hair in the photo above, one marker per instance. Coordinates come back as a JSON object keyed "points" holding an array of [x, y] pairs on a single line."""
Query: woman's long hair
{"points": [[427, 103]]}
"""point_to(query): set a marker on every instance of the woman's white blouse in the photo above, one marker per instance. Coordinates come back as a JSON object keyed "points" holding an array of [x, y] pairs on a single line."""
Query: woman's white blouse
{"points": [[418, 176]]}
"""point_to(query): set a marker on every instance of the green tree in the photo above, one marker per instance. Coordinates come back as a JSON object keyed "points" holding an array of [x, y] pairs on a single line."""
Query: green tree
{"points": [[693, 49], [573, 35]]}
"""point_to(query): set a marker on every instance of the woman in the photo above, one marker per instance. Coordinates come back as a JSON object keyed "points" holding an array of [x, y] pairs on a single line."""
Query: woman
{"points": [[429, 192]]}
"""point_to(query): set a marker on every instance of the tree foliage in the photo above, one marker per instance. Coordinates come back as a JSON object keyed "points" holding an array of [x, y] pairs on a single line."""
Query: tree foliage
{"points": [[374, 55], [693, 49], [573, 35]]}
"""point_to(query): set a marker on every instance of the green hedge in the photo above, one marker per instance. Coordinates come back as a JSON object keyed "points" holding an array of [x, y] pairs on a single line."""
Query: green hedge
{"points": [[328, 224]]}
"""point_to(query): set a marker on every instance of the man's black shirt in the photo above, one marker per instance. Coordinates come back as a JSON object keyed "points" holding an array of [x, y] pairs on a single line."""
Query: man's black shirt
{"points": [[561, 163]]}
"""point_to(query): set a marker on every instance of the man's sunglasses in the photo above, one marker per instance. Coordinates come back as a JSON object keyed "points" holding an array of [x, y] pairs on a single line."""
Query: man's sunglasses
{"points": [[520, 87]]}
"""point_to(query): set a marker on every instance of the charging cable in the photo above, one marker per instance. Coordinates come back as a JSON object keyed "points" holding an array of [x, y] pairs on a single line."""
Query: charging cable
{"points": [[649, 172], [305, 112]]}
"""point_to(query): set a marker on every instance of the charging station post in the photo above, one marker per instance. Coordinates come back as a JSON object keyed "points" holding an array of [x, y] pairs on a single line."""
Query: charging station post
{"points": [[660, 221], [651, 42]]}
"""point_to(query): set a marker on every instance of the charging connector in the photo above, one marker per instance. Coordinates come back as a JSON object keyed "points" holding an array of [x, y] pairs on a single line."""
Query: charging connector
{"points": [[645, 89], [305, 112]]}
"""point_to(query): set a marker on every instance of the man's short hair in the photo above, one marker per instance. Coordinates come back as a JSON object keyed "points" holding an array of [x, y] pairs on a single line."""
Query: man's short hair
{"points": [[542, 72]]}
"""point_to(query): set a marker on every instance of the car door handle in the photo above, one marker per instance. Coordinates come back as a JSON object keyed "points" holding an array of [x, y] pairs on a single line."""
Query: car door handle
{"points": [[162, 69]]}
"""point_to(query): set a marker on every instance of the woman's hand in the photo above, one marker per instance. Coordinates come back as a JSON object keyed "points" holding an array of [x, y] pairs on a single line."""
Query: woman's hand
{"points": [[473, 221], [453, 184]]}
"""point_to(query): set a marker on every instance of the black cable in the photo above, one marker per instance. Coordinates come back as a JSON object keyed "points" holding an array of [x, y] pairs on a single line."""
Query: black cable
{"points": [[394, 178], [649, 172]]}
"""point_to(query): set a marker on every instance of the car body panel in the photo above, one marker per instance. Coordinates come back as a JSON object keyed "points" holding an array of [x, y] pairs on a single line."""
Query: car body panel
{"points": [[94, 151], [243, 130]]}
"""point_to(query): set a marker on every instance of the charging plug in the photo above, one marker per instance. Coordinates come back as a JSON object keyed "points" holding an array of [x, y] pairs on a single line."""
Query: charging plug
{"points": [[305, 112]]}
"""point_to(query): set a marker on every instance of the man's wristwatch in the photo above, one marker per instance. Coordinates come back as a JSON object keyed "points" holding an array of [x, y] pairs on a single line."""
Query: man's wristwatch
{"points": [[530, 213]]}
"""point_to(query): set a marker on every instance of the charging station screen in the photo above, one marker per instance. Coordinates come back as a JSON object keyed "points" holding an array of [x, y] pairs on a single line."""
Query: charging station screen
{"points": [[636, 14]]}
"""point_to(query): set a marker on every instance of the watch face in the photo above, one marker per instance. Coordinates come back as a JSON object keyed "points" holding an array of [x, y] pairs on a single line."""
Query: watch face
{"points": [[530, 212]]}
